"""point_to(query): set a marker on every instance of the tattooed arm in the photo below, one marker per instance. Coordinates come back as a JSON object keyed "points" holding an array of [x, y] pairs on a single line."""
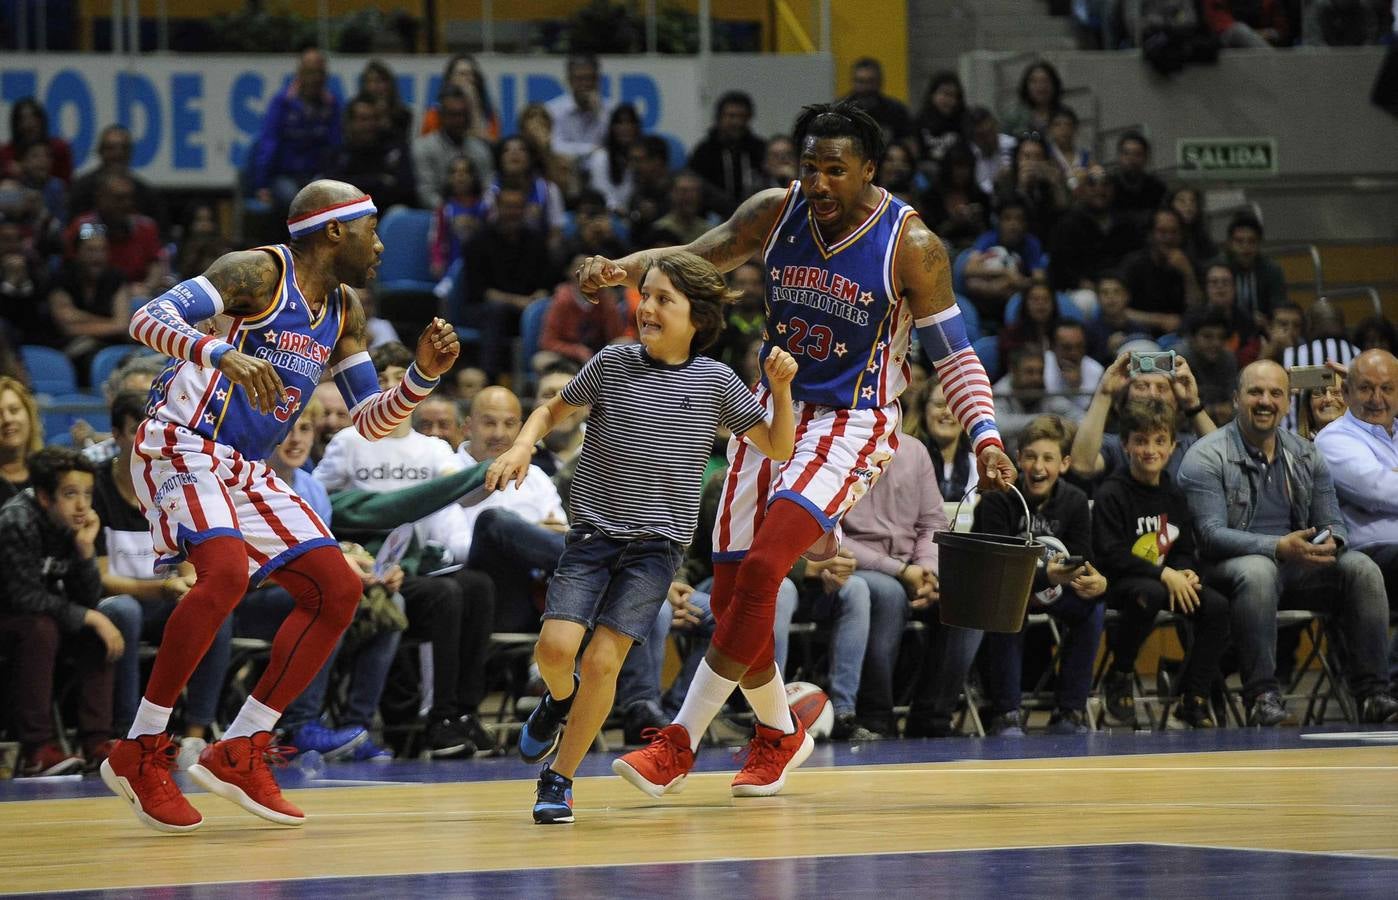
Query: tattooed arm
{"points": [[246, 279], [922, 271], [727, 246], [238, 284], [923, 276]]}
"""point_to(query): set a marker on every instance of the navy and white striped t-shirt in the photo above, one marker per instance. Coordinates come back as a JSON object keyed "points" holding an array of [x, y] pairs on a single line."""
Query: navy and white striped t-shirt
{"points": [[648, 439]]}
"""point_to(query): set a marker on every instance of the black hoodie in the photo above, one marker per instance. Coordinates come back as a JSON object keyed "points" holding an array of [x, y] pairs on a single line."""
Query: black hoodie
{"points": [[1138, 529], [1062, 515]]}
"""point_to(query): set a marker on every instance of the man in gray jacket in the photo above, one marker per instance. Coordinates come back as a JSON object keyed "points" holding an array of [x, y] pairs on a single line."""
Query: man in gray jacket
{"points": [[1260, 498]]}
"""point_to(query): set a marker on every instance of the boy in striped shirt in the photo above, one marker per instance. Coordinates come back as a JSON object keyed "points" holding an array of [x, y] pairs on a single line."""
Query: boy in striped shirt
{"points": [[633, 510]]}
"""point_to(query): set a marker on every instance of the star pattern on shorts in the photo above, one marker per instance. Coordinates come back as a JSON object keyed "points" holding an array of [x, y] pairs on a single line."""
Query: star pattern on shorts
{"points": [[221, 394], [184, 398], [781, 328], [867, 393], [776, 274], [883, 345], [270, 335], [872, 367], [866, 297], [209, 418], [840, 348]]}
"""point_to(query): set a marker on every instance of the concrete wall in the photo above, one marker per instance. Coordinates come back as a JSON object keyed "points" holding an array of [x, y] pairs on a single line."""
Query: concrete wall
{"points": [[779, 85], [1314, 102]]}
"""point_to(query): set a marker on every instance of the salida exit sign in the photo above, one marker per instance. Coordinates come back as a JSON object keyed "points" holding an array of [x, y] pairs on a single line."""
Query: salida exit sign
{"points": [[1227, 157]]}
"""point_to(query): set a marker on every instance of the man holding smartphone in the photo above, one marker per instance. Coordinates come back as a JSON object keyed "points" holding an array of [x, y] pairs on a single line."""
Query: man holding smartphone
{"points": [[1096, 455], [1361, 449], [1270, 536]]}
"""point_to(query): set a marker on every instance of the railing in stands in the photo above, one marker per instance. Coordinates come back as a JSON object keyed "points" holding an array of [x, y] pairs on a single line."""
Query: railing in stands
{"points": [[1293, 249], [1360, 291]]}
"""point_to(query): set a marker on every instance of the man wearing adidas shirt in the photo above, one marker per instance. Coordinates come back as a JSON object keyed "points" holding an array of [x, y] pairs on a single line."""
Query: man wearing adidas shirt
{"points": [[516, 531], [455, 612]]}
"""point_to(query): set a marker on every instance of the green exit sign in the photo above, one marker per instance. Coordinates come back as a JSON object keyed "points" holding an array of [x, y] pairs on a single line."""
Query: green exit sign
{"points": [[1227, 157]]}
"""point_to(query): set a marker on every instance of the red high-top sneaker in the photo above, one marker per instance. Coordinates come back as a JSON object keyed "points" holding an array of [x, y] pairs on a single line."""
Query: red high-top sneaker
{"points": [[662, 765], [139, 770], [771, 755], [237, 769]]}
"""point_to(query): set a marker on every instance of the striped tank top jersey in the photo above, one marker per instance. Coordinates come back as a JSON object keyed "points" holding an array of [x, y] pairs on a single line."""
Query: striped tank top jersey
{"points": [[288, 336], [834, 307]]}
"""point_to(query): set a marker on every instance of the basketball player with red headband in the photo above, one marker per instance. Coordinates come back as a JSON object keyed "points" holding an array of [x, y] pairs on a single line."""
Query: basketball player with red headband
{"points": [[279, 317], [851, 271]]}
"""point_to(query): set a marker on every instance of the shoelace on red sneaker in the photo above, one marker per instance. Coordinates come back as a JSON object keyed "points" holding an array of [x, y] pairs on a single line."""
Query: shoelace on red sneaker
{"points": [[762, 753], [260, 765], [156, 762], [661, 744]]}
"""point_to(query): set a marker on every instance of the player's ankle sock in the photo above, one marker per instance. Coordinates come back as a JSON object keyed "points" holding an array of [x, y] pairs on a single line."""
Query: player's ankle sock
{"points": [[252, 718], [769, 704], [151, 718], [707, 694]]}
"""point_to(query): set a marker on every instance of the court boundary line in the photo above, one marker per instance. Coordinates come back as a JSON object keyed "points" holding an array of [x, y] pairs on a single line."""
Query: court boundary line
{"points": [[726, 859]]}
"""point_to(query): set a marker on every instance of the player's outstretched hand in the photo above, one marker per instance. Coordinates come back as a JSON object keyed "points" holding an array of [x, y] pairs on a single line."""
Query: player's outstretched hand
{"points": [[437, 349], [780, 367], [512, 465], [598, 272], [997, 473], [258, 378]]}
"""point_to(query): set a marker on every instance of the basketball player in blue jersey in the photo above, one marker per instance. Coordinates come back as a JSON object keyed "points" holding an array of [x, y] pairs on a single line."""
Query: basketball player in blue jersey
{"points": [[850, 272], [281, 317]]}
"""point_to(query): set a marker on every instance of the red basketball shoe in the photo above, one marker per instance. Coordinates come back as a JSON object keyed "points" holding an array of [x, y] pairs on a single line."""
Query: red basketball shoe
{"points": [[662, 765], [237, 769], [771, 755], [139, 770]]}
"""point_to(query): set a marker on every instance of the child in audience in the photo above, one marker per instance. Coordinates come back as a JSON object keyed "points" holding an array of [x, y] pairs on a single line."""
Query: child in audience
{"points": [[633, 510], [1069, 590], [459, 217], [1143, 541]]}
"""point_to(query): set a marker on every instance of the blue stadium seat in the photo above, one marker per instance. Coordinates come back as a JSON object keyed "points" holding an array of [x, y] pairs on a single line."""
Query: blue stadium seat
{"points": [[1067, 309], [406, 261], [108, 360], [50, 372], [60, 411], [531, 326], [988, 349]]}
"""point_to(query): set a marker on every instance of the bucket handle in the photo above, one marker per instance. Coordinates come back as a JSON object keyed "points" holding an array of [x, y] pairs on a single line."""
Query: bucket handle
{"points": [[1028, 520]]}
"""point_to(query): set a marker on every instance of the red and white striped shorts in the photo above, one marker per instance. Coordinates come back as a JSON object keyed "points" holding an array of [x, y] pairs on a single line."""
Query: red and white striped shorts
{"points": [[839, 455], [192, 489]]}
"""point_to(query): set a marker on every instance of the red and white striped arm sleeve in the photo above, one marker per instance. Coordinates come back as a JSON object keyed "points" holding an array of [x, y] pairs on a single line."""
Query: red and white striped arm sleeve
{"points": [[963, 377], [376, 415], [164, 324]]}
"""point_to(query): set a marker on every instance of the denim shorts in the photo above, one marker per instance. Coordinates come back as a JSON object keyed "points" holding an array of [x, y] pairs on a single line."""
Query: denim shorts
{"points": [[620, 583]]}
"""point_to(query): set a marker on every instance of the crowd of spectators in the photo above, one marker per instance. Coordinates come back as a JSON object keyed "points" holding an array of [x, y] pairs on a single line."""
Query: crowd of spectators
{"points": [[1068, 268]]}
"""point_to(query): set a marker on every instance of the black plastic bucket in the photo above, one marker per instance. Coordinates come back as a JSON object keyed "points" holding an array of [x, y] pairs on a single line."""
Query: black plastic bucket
{"points": [[984, 579]]}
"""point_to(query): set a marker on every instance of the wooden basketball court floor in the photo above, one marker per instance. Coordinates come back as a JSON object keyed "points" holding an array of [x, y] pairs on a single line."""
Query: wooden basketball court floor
{"points": [[1239, 813]]}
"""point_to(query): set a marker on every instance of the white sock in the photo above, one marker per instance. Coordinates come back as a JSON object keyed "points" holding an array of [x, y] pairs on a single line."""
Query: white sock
{"points": [[150, 719], [769, 704], [707, 694], [252, 718]]}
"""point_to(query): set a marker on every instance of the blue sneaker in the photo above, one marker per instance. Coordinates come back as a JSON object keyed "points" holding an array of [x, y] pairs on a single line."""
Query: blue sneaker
{"points": [[554, 800], [372, 752], [330, 743], [539, 737]]}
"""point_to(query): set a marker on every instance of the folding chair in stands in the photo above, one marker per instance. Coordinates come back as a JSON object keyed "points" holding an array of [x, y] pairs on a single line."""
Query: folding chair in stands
{"points": [[1325, 644], [50, 372], [1166, 692]]}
